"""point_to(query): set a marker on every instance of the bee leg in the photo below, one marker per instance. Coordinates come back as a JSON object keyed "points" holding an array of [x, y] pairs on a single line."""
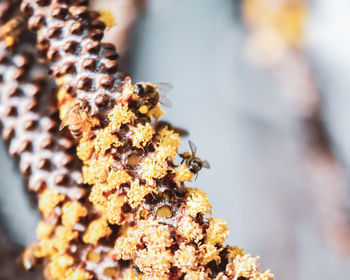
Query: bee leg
{"points": [[196, 177]]}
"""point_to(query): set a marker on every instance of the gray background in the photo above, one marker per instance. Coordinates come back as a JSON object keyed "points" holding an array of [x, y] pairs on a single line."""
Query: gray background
{"points": [[241, 124]]}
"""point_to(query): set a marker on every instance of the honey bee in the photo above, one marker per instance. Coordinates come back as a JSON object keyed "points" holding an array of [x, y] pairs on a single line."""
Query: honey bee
{"points": [[152, 94], [194, 163], [181, 131], [12, 28], [75, 118]]}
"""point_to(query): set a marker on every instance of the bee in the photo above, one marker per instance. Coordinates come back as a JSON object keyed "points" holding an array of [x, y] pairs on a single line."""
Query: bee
{"points": [[194, 163], [76, 118], [181, 131], [12, 28], [152, 94]]}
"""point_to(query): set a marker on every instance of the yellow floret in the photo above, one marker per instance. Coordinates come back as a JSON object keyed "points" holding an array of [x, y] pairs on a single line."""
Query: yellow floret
{"points": [[190, 229], [128, 88], [208, 253], [137, 192], [217, 231], [168, 143], [142, 134], [114, 208], [97, 193], [97, 170], [77, 274], [62, 80], [157, 237], [197, 202], [196, 275], [72, 211], [244, 266], [85, 149], [48, 200], [44, 248], [116, 178], [186, 258], [63, 236], [130, 274], [44, 230], [183, 174], [120, 115], [264, 275], [154, 263], [221, 276], [104, 140], [152, 169], [97, 229], [107, 18], [125, 245], [234, 251], [58, 266], [155, 275]]}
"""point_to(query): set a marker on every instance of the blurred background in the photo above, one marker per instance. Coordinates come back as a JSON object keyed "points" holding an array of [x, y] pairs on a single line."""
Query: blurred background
{"points": [[263, 88]]}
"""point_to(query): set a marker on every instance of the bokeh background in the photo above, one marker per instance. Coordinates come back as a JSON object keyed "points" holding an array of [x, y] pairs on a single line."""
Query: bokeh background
{"points": [[284, 196]]}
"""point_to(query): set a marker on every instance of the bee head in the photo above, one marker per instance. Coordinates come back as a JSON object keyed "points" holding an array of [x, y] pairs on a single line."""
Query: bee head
{"points": [[195, 165], [139, 89]]}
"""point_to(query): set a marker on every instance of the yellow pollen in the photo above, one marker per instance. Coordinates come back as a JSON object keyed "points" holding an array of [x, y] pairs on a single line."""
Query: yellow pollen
{"points": [[9, 41], [143, 109]]}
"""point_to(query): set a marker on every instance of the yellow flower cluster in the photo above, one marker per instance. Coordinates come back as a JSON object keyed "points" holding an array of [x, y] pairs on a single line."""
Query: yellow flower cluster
{"points": [[96, 230], [60, 268], [197, 202], [48, 200], [72, 211], [217, 231], [142, 134], [137, 192], [122, 181]]}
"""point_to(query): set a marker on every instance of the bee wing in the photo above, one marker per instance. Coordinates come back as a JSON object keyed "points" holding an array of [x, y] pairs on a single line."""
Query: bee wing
{"points": [[193, 147], [73, 109], [165, 101], [181, 131], [205, 164], [64, 121], [164, 88]]}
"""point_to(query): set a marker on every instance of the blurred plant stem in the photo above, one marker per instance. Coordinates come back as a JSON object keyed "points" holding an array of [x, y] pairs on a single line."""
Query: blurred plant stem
{"points": [[275, 43]]}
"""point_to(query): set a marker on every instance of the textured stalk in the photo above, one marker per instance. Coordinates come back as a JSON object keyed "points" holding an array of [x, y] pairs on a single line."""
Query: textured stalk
{"points": [[29, 119], [126, 14], [130, 160]]}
